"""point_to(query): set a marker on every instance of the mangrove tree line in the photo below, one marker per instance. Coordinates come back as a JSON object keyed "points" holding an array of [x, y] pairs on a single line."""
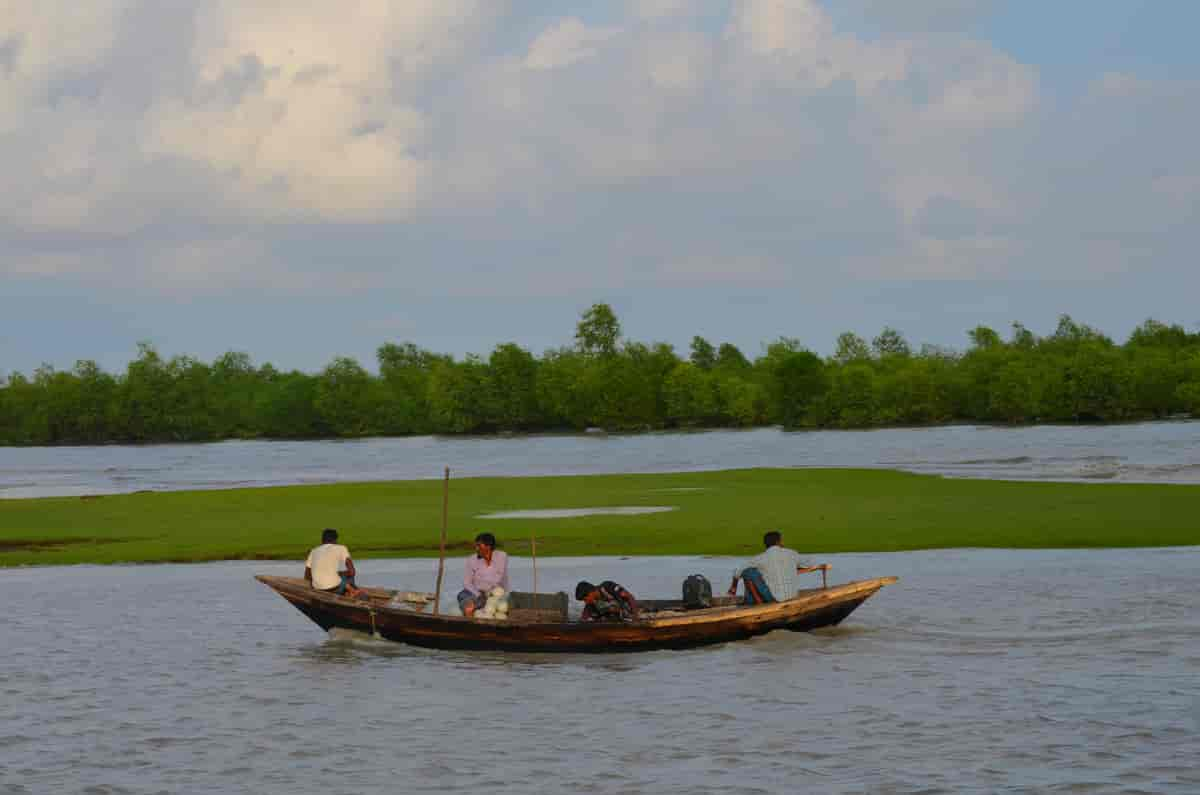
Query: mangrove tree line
{"points": [[1075, 374]]}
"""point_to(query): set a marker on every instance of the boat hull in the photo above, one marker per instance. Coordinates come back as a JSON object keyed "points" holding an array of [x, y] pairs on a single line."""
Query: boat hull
{"points": [[678, 630]]}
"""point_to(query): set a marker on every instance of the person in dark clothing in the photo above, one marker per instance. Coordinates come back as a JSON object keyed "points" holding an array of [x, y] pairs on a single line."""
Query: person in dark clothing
{"points": [[606, 602]]}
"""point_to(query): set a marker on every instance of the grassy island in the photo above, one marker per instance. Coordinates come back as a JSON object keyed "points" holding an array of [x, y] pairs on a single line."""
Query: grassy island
{"points": [[819, 510]]}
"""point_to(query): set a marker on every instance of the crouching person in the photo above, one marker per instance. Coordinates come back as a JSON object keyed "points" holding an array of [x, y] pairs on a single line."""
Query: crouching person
{"points": [[606, 602]]}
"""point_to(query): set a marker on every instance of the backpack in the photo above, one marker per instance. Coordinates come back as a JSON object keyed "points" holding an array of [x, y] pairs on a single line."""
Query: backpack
{"points": [[697, 592]]}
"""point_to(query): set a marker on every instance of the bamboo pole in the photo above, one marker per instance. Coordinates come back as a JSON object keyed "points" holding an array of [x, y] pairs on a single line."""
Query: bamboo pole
{"points": [[533, 550], [437, 596]]}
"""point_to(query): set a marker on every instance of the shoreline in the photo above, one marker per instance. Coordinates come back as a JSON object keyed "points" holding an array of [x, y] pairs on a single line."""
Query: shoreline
{"points": [[571, 559], [1181, 418], [714, 512]]}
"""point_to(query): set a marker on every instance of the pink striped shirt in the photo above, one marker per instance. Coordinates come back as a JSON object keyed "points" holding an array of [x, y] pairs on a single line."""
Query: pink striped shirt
{"points": [[481, 577]]}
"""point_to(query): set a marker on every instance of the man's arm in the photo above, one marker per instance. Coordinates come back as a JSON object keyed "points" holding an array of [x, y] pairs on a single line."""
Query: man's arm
{"points": [[349, 568], [308, 574], [737, 574]]}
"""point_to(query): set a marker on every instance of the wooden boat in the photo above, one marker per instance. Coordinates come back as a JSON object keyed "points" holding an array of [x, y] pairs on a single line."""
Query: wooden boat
{"points": [[664, 624]]}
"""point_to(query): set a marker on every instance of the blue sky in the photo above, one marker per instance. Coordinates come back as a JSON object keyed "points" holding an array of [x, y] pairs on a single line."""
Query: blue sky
{"points": [[300, 181]]}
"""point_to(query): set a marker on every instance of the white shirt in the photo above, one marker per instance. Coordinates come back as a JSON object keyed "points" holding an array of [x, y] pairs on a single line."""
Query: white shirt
{"points": [[326, 561], [778, 566]]}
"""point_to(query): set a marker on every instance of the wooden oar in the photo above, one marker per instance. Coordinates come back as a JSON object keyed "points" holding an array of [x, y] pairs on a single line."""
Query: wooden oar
{"points": [[437, 594]]}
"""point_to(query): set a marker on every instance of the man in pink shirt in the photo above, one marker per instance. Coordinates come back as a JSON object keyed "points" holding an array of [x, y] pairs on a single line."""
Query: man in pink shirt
{"points": [[486, 569]]}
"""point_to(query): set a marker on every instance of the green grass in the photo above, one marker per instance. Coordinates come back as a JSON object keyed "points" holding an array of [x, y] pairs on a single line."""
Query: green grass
{"points": [[833, 510]]}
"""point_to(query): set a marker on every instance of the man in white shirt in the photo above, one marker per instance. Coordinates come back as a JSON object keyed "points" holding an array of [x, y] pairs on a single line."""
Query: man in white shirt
{"points": [[329, 567], [771, 575]]}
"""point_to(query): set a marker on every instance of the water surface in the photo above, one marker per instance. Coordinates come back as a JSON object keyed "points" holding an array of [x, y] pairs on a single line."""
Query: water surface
{"points": [[1158, 452], [980, 671]]}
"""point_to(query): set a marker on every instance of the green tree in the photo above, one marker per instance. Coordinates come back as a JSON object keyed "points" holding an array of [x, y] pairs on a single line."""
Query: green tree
{"points": [[564, 390], [405, 371], [1156, 375], [744, 401], [1099, 383], [513, 380], [96, 412], [286, 406], [599, 331], [1014, 394], [145, 391], [25, 418], [796, 380], [628, 388], [189, 400], [851, 400], [984, 338], [915, 393], [685, 393], [1153, 334], [730, 359], [343, 397], [235, 388], [459, 396], [1022, 337], [890, 343], [851, 348], [704, 355], [1069, 334], [1188, 391]]}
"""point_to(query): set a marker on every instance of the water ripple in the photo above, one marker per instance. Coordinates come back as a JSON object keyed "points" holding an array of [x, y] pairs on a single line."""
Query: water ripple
{"points": [[950, 682], [1151, 452]]}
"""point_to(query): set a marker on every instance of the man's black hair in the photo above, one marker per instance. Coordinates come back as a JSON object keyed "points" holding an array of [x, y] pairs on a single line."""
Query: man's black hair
{"points": [[583, 589], [486, 538], [328, 536], [772, 538]]}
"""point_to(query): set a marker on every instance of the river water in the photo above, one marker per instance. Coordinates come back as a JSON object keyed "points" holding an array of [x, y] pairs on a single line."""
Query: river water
{"points": [[1157, 452], [980, 671]]}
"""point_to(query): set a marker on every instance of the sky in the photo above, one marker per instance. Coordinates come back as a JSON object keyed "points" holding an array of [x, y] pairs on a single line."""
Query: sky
{"points": [[306, 180]]}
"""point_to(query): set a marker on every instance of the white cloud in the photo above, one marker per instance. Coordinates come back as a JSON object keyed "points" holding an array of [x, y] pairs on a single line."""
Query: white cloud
{"points": [[376, 113], [49, 42], [780, 26], [659, 9], [921, 15], [565, 43], [373, 111], [312, 109]]}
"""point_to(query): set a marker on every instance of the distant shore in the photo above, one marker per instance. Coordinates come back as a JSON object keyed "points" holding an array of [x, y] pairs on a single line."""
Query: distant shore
{"points": [[717, 513]]}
